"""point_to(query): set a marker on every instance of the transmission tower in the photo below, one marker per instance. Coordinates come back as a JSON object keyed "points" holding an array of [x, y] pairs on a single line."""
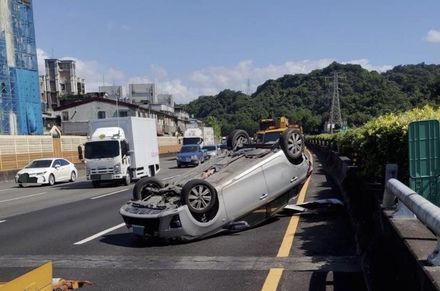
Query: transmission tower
{"points": [[248, 87], [335, 111]]}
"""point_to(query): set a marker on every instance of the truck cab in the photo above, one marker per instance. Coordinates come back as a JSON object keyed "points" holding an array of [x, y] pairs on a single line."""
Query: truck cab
{"points": [[107, 156]]}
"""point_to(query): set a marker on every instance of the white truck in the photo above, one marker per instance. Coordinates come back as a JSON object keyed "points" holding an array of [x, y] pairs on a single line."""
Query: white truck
{"points": [[201, 136], [121, 149]]}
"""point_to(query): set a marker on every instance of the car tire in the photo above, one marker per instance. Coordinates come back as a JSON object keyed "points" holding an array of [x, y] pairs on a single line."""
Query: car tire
{"points": [[236, 139], [141, 188], [96, 184], [126, 180], [199, 196], [20, 185], [179, 165], [72, 176], [292, 144], [51, 180]]}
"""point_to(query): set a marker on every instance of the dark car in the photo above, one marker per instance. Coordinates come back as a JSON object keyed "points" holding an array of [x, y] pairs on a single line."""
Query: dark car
{"points": [[190, 155]]}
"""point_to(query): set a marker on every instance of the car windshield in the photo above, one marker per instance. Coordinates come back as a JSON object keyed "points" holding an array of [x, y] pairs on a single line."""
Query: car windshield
{"points": [[192, 140], [40, 164], [210, 148], [189, 149], [102, 149]]}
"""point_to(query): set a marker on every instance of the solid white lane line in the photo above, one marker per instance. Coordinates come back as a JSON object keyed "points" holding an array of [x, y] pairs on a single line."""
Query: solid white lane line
{"points": [[6, 189], [1, 221], [108, 194], [99, 234], [23, 197]]}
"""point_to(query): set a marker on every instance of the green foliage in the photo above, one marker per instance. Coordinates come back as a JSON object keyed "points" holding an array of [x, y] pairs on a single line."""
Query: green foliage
{"points": [[306, 98], [212, 122], [380, 141]]}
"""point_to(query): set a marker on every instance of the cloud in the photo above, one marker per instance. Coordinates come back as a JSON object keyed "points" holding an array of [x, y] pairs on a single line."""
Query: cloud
{"points": [[364, 63], [433, 36], [207, 81]]}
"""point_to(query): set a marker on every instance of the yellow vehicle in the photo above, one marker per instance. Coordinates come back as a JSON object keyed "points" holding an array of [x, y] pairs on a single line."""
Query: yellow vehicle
{"points": [[271, 129]]}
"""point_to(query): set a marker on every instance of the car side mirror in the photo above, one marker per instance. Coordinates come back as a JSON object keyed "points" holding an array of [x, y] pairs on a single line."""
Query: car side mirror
{"points": [[57, 166]]}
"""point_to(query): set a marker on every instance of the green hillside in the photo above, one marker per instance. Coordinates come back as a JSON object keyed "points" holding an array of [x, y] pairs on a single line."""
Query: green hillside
{"points": [[306, 98]]}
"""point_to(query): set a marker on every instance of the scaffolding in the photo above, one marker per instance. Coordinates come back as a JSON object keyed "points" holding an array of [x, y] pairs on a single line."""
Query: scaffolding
{"points": [[20, 105]]}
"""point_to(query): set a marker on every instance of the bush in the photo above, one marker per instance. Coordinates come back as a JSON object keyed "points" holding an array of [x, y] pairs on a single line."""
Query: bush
{"points": [[381, 141]]}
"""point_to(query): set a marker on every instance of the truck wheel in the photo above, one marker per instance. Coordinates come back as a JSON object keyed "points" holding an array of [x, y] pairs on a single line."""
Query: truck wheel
{"points": [[292, 144], [146, 187], [236, 139], [126, 180], [96, 184], [199, 196]]}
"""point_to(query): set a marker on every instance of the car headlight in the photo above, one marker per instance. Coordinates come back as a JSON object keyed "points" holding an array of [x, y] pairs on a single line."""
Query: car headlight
{"points": [[40, 173], [117, 168], [194, 157]]}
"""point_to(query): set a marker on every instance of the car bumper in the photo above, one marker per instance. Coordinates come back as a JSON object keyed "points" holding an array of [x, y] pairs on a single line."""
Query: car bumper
{"points": [[167, 223], [188, 162], [28, 179], [104, 177]]}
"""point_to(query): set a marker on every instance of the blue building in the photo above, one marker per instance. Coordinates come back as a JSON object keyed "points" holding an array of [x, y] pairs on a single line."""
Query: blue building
{"points": [[20, 105]]}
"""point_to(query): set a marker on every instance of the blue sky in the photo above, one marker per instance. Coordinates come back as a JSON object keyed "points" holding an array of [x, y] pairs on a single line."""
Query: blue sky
{"points": [[190, 48]]}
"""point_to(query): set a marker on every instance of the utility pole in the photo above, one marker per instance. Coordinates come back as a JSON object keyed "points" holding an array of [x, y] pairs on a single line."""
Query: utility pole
{"points": [[335, 111], [248, 87]]}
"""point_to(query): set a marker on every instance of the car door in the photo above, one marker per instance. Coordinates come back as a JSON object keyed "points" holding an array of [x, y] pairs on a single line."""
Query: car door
{"points": [[279, 175], [245, 193], [65, 169]]}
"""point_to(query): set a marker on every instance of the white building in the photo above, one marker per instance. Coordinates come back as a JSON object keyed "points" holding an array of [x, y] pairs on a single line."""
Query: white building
{"points": [[112, 92], [142, 93]]}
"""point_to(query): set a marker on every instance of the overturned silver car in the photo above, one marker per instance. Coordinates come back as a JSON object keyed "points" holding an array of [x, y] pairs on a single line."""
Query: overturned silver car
{"points": [[237, 189]]}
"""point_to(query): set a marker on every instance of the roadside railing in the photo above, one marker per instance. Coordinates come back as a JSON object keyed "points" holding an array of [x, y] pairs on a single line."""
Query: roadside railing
{"points": [[409, 204]]}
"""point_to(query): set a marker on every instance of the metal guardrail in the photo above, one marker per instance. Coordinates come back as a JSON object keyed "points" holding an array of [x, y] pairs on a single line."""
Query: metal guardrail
{"points": [[425, 211]]}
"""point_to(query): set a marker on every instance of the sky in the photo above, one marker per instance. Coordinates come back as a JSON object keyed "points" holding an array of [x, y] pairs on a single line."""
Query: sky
{"points": [[200, 47]]}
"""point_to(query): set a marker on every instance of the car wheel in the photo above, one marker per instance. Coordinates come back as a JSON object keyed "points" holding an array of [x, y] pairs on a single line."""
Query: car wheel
{"points": [[126, 180], [73, 176], [199, 196], [179, 165], [96, 184], [236, 139], [292, 144], [20, 185], [51, 180], [146, 187]]}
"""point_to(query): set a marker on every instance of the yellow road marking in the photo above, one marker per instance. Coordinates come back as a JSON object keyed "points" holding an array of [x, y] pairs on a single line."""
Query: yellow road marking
{"points": [[293, 224], [274, 276], [272, 279]]}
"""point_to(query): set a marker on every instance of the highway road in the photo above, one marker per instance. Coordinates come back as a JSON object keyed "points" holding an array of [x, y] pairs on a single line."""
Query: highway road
{"points": [[78, 228]]}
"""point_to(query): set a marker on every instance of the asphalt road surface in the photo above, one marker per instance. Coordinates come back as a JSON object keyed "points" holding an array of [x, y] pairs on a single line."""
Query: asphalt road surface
{"points": [[79, 229]]}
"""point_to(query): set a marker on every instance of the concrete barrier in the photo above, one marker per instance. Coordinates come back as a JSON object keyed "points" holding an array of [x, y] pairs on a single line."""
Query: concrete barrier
{"points": [[393, 252]]}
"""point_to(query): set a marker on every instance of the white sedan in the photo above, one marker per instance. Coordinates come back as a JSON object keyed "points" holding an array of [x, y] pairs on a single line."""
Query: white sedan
{"points": [[47, 171]]}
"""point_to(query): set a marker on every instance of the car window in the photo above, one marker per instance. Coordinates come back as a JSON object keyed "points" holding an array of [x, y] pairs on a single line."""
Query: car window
{"points": [[64, 162], [189, 149], [210, 148], [56, 162], [40, 164]]}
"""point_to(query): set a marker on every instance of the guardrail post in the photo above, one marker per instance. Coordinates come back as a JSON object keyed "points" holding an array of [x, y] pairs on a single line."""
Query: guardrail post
{"points": [[434, 257]]}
